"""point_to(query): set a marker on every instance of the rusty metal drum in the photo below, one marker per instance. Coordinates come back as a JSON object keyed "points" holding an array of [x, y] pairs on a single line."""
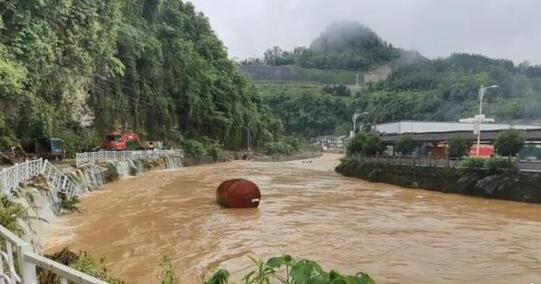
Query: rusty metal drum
{"points": [[238, 193]]}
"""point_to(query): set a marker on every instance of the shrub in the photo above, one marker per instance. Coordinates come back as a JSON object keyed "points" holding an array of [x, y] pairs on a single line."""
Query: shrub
{"points": [[405, 144], [6, 142], [459, 147], [498, 164], [472, 163], [10, 212], [278, 148], [215, 151], [79, 261], [285, 269], [509, 142], [167, 274], [219, 277], [366, 144], [194, 148]]}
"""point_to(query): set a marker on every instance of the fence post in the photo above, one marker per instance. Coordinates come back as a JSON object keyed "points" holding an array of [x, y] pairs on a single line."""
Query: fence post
{"points": [[28, 270]]}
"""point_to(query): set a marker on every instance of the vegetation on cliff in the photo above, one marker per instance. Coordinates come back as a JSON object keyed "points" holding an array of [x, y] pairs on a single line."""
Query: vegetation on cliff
{"points": [[75, 69]]}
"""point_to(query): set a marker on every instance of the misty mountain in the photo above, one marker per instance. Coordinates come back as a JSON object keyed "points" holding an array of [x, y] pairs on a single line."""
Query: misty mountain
{"points": [[345, 37], [415, 88]]}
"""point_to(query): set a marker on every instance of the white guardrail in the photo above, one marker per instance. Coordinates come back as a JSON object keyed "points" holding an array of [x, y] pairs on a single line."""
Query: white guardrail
{"points": [[90, 158], [59, 183], [18, 264], [12, 177]]}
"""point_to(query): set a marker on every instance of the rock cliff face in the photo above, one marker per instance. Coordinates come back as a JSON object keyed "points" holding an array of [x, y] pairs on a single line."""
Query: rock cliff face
{"points": [[514, 186]]}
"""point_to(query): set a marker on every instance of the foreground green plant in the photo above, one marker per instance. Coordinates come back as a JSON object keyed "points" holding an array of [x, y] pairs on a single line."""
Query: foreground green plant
{"points": [[167, 274], [10, 212], [285, 269], [79, 261], [219, 277]]}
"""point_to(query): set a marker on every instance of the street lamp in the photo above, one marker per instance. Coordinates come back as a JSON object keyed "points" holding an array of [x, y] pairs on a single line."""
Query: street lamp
{"points": [[481, 118], [355, 116]]}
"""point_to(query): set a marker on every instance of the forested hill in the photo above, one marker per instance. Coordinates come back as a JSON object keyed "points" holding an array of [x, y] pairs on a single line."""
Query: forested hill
{"points": [[78, 69], [417, 88]]}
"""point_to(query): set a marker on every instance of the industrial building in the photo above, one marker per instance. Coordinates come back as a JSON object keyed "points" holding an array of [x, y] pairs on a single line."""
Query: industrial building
{"points": [[432, 137]]}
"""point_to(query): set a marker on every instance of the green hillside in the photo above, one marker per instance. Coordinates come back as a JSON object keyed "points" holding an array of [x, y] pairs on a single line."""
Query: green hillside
{"points": [[292, 74], [417, 88]]}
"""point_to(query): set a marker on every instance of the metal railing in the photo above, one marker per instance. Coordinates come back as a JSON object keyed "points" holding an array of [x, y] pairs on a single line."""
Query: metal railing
{"points": [[12, 177], [18, 264], [410, 161], [60, 184], [90, 158], [521, 165]]}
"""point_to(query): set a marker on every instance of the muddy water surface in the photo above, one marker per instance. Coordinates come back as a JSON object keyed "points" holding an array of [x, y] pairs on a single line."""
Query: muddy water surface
{"points": [[397, 235]]}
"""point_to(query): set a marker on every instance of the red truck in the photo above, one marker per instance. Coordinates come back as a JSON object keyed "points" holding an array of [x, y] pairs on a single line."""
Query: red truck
{"points": [[117, 141]]}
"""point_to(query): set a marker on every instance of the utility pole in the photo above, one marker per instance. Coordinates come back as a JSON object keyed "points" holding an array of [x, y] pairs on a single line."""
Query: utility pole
{"points": [[355, 116], [480, 118], [248, 136]]}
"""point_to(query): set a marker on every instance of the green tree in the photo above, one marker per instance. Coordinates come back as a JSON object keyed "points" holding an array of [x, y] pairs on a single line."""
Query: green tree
{"points": [[459, 147], [509, 142], [405, 144], [365, 144]]}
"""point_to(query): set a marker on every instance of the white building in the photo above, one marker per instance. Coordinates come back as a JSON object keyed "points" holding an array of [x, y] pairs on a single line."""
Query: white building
{"points": [[402, 127]]}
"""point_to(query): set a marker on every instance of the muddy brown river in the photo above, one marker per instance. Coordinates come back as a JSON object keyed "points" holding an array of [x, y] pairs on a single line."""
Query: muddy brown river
{"points": [[397, 235]]}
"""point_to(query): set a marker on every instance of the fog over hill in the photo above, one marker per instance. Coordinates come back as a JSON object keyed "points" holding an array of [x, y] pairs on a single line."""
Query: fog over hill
{"points": [[495, 28]]}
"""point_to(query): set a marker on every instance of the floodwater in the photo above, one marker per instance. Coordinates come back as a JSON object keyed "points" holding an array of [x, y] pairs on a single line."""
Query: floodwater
{"points": [[397, 235]]}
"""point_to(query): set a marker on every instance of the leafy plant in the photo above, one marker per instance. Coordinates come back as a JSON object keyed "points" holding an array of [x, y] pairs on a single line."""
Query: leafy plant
{"points": [[278, 148], [509, 142], [405, 144], [81, 261], [498, 164], [285, 269], [194, 148], [167, 274], [472, 163], [219, 277], [365, 144], [459, 147], [262, 273], [10, 213]]}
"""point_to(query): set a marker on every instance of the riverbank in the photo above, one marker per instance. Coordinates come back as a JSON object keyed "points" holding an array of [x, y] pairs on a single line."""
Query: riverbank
{"points": [[506, 185]]}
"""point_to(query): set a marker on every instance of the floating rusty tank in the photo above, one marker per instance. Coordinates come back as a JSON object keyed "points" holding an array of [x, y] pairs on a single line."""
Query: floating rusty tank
{"points": [[238, 193]]}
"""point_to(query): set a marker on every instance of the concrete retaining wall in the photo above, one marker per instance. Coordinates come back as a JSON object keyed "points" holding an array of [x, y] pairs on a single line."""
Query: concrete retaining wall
{"points": [[510, 185]]}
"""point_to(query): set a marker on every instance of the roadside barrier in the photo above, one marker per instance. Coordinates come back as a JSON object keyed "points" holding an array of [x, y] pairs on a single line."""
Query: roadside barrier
{"points": [[91, 158], [18, 264]]}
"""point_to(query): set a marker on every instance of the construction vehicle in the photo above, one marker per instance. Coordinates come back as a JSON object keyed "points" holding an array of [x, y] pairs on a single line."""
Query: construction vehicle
{"points": [[116, 141]]}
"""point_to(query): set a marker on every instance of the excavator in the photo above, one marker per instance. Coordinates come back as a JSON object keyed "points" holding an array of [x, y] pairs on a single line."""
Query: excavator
{"points": [[117, 141]]}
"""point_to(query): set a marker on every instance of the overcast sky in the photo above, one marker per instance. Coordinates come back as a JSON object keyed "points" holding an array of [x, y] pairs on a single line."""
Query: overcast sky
{"points": [[496, 28]]}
